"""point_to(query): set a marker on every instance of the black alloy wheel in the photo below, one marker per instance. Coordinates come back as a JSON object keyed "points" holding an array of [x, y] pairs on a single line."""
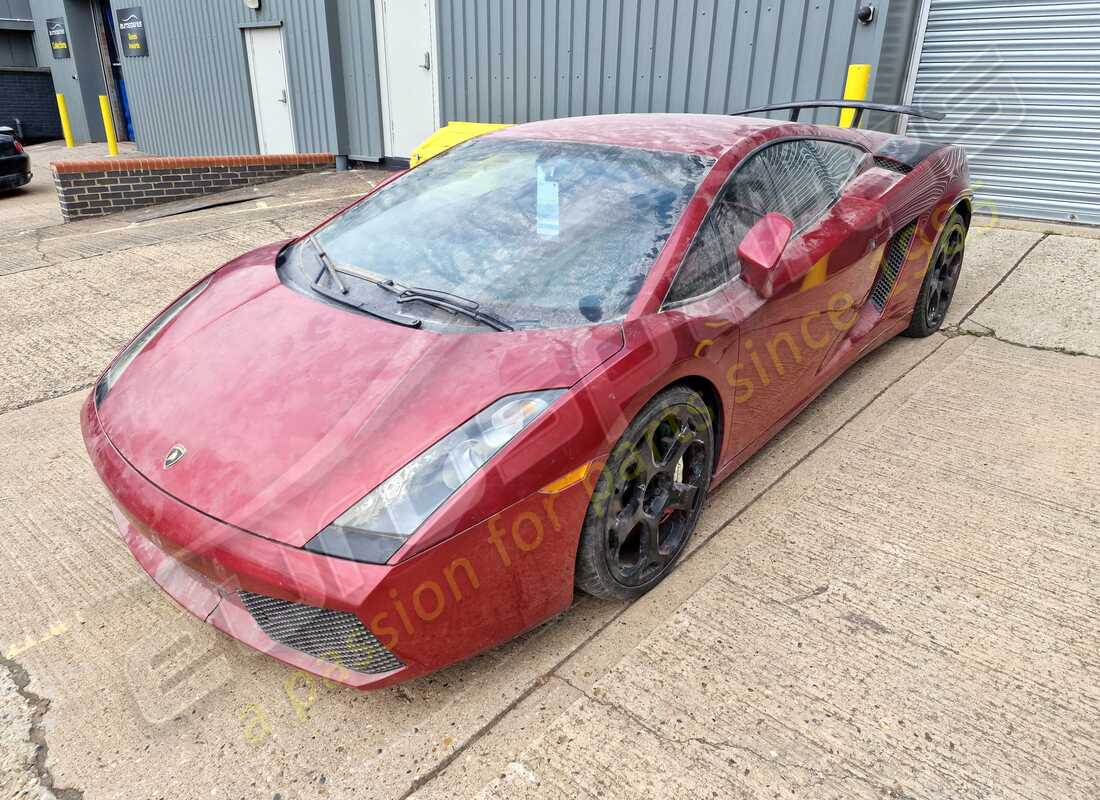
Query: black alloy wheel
{"points": [[941, 279], [648, 497]]}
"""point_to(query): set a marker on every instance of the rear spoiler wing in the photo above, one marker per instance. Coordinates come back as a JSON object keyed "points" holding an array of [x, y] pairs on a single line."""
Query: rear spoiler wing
{"points": [[858, 105]]}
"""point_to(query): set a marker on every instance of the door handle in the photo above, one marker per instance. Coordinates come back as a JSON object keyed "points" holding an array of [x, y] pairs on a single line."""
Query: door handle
{"points": [[427, 61], [282, 96]]}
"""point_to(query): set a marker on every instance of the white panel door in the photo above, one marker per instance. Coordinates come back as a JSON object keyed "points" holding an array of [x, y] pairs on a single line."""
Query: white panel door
{"points": [[270, 100], [406, 46]]}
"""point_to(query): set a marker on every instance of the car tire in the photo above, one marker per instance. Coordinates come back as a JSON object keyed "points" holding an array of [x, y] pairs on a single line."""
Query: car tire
{"points": [[940, 280], [644, 508]]}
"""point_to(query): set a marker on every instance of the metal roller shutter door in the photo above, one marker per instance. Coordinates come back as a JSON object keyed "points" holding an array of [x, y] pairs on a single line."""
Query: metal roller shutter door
{"points": [[1020, 82]]}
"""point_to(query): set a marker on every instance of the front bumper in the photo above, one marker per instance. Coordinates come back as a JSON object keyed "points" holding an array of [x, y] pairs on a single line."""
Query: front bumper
{"points": [[476, 589]]}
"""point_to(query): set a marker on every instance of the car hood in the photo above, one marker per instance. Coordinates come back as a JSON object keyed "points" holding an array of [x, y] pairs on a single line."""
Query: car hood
{"points": [[290, 409]]}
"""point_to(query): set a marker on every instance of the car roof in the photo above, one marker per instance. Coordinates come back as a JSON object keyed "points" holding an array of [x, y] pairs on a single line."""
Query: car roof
{"points": [[698, 134]]}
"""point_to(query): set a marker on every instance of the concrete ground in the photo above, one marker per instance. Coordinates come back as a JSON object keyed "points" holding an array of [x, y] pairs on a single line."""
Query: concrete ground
{"points": [[897, 598], [35, 205]]}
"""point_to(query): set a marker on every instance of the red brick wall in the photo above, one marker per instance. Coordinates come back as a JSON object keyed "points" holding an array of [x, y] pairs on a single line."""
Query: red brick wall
{"points": [[94, 188]]}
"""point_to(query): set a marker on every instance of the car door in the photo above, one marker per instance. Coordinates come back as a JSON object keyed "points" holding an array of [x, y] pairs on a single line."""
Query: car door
{"points": [[785, 339]]}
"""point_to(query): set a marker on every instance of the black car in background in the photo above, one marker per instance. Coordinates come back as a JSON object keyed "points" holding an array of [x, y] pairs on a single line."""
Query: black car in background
{"points": [[15, 165]]}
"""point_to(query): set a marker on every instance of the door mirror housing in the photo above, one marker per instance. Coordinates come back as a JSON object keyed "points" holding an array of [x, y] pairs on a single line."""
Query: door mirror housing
{"points": [[760, 251]]}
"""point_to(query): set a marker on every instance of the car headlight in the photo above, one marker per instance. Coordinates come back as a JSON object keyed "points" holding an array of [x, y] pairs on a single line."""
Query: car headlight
{"points": [[375, 528], [127, 356]]}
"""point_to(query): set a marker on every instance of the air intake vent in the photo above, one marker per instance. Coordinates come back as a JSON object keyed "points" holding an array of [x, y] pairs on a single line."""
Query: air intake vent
{"points": [[891, 266], [893, 166], [334, 636]]}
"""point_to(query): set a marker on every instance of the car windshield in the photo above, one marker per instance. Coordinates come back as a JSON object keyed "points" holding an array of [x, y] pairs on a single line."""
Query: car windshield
{"points": [[538, 233]]}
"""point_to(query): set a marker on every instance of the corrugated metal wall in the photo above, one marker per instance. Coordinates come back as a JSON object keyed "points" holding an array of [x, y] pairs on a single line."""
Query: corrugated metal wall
{"points": [[1020, 80], [15, 14], [191, 95], [358, 47], [522, 60], [17, 49], [899, 31]]}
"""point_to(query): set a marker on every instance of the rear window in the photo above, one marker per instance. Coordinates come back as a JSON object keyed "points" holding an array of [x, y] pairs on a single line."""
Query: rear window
{"points": [[540, 233]]}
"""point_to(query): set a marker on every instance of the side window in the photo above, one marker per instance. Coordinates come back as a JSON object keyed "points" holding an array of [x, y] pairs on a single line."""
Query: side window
{"points": [[800, 181], [799, 178], [733, 219], [788, 178], [752, 190], [840, 161], [703, 269]]}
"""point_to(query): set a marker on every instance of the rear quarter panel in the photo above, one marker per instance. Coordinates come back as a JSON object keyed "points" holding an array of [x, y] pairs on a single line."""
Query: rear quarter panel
{"points": [[928, 195]]}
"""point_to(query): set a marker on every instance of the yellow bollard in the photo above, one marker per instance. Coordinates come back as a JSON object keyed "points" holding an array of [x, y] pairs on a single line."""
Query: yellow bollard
{"points": [[855, 88], [66, 128], [108, 125]]}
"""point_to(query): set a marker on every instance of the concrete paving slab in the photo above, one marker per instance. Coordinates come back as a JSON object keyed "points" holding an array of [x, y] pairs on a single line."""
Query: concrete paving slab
{"points": [[61, 323], [990, 255], [1052, 300], [918, 624], [1039, 225], [306, 200], [18, 777]]}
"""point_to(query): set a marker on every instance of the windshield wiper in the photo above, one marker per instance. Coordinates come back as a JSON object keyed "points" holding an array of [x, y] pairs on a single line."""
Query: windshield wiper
{"points": [[387, 284], [407, 294], [326, 262], [341, 296], [455, 303]]}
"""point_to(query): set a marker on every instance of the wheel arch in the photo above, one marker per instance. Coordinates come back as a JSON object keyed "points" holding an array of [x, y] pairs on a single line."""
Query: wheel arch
{"points": [[965, 207], [706, 389]]}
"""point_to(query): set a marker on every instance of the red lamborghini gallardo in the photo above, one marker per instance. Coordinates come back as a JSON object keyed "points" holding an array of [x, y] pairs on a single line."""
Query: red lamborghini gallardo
{"points": [[513, 371]]}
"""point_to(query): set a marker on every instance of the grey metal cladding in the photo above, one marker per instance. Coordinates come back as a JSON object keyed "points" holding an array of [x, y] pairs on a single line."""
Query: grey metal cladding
{"points": [[15, 9], [520, 61], [363, 99]]}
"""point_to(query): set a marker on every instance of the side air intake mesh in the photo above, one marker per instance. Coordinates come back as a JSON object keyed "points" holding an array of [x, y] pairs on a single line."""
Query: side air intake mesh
{"points": [[334, 636], [893, 166], [891, 266]]}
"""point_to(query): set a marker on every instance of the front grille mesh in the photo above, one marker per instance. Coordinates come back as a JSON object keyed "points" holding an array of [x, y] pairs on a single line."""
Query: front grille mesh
{"points": [[334, 636], [891, 266]]}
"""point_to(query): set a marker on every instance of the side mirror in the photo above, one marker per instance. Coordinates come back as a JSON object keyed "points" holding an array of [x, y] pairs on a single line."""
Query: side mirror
{"points": [[760, 251]]}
